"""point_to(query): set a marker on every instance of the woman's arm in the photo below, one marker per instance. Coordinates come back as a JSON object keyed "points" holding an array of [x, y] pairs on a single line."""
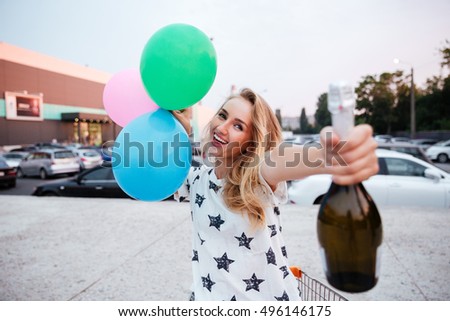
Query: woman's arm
{"points": [[348, 162]]}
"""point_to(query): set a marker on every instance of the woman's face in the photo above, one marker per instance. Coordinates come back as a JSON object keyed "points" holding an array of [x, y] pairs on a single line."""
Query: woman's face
{"points": [[230, 129]]}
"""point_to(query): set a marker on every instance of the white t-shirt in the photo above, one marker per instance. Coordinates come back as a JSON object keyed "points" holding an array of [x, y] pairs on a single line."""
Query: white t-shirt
{"points": [[231, 260]]}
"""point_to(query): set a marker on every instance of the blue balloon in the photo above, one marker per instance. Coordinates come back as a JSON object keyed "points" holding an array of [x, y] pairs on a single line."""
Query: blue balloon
{"points": [[151, 156]]}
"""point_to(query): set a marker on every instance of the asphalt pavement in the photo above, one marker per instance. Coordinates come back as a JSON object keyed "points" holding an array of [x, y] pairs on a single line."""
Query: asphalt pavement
{"points": [[121, 249]]}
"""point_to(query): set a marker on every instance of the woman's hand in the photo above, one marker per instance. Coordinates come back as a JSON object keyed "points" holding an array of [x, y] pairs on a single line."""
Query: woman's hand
{"points": [[184, 116], [351, 161]]}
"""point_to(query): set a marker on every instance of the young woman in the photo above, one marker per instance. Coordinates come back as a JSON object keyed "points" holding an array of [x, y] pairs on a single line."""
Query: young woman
{"points": [[238, 249]]}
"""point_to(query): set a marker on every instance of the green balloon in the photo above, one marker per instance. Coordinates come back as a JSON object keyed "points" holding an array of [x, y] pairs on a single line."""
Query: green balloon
{"points": [[178, 66]]}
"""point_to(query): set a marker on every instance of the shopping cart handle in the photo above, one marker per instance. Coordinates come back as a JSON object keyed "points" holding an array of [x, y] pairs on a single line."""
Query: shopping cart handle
{"points": [[296, 271]]}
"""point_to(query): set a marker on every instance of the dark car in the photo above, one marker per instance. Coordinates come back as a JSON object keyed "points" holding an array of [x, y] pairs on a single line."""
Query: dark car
{"points": [[96, 182], [43, 145], [28, 148], [7, 174]]}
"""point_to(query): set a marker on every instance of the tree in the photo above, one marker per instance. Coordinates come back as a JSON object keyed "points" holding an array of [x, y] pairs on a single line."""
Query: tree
{"points": [[305, 126], [376, 98], [433, 106], [278, 115], [322, 115]]}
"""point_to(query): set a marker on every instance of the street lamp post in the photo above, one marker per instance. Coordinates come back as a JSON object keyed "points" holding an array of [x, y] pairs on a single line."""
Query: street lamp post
{"points": [[413, 100]]}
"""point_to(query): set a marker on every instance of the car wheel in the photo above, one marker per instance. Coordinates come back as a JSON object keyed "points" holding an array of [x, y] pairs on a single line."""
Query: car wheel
{"points": [[49, 193], [43, 174], [13, 184], [19, 173], [442, 158]]}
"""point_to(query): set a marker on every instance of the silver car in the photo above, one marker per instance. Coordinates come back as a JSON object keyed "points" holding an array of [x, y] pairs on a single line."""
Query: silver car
{"points": [[88, 158], [45, 163]]}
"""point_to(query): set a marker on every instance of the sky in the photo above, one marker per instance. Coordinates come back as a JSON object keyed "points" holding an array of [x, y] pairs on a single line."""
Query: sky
{"points": [[286, 50]]}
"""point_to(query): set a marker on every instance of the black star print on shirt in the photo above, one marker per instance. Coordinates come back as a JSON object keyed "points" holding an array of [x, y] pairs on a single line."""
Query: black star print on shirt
{"points": [[271, 257], [199, 199], [213, 186], [274, 229], [233, 298], [284, 297], [253, 283], [276, 210], [215, 221], [283, 250], [195, 256], [244, 240], [285, 271], [223, 262], [196, 179], [207, 282]]}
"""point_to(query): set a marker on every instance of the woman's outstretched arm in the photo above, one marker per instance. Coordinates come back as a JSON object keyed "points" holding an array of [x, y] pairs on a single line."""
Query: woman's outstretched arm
{"points": [[349, 162]]}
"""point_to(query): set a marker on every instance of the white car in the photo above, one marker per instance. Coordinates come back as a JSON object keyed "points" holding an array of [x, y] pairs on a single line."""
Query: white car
{"points": [[403, 180], [439, 151], [89, 158]]}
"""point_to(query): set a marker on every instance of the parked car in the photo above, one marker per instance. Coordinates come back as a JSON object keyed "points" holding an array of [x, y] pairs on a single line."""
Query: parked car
{"points": [[400, 139], [48, 162], [13, 158], [407, 148], [95, 182], [440, 151], [403, 180], [383, 138], [425, 143], [7, 173], [105, 151], [26, 148], [44, 145], [88, 158]]}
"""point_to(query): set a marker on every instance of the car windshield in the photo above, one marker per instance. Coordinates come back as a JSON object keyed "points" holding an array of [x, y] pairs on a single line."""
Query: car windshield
{"points": [[102, 173], [13, 156], [443, 143], [64, 154]]}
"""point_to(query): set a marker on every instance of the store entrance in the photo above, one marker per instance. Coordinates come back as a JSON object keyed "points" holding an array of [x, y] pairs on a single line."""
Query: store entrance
{"points": [[87, 133]]}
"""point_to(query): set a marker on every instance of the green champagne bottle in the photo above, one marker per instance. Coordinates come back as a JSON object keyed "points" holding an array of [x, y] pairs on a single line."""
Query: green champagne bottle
{"points": [[349, 226]]}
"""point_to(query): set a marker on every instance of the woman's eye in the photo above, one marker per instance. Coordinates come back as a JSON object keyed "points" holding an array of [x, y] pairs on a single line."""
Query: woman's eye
{"points": [[222, 115], [238, 126]]}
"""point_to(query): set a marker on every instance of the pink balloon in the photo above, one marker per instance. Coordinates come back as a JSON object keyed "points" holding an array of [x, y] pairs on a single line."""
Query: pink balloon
{"points": [[125, 98]]}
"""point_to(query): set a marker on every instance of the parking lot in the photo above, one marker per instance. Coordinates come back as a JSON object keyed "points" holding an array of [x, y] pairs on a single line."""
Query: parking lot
{"points": [[59, 248], [120, 249]]}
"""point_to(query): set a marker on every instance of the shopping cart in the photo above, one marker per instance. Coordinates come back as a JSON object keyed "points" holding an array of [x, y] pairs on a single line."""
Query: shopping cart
{"points": [[313, 290]]}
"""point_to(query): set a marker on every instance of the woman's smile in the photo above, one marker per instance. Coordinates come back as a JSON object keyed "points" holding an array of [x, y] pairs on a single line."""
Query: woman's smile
{"points": [[231, 129]]}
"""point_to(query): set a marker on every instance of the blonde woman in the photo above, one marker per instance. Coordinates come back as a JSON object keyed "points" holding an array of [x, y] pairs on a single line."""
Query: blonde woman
{"points": [[238, 251]]}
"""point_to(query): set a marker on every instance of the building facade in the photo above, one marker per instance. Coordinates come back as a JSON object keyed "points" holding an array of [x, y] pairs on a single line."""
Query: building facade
{"points": [[44, 99]]}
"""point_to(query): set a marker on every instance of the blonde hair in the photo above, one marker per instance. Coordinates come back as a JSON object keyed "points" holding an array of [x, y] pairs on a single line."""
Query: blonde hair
{"points": [[242, 181]]}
